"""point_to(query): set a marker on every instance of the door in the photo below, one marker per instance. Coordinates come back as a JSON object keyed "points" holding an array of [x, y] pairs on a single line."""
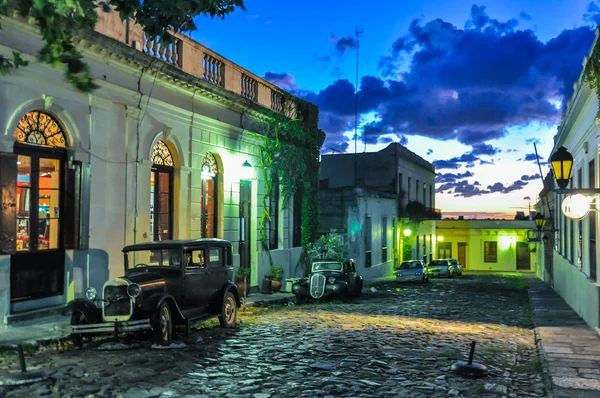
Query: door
{"points": [[197, 278], [523, 261], [462, 254], [245, 223], [37, 267]]}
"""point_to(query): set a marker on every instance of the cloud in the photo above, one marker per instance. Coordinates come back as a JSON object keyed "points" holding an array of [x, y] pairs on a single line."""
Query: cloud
{"points": [[255, 16], [342, 44], [467, 159], [525, 16], [529, 178], [531, 157], [592, 13], [533, 141], [282, 80], [451, 177], [468, 84]]}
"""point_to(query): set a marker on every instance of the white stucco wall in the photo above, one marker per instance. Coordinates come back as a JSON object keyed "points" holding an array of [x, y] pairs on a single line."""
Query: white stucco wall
{"points": [[108, 130]]}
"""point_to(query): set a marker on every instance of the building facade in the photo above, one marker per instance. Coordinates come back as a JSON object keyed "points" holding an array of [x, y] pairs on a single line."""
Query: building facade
{"points": [[489, 245], [572, 247], [160, 151], [368, 198]]}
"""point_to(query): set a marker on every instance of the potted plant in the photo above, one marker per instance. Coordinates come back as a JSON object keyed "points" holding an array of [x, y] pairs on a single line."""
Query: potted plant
{"points": [[276, 274], [242, 280]]}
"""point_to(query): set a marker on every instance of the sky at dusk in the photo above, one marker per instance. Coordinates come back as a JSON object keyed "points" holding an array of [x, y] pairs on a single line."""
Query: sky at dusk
{"points": [[467, 86]]}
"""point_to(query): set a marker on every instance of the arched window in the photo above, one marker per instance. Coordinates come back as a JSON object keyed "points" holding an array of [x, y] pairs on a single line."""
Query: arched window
{"points": [[161, 193], [39, 177], [209, 196]]}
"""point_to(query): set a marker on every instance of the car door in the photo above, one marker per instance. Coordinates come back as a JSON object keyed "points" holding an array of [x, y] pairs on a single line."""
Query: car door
{"points": [[197, 278], [217, 271]]}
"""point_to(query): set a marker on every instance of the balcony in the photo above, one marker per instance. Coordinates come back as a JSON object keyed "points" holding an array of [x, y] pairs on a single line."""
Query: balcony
{"points": [[197, 60], [416, 210]]}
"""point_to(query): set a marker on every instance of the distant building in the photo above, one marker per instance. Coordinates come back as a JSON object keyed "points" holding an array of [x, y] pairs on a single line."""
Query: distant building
{"points": [[371, 198], [488, 245]]}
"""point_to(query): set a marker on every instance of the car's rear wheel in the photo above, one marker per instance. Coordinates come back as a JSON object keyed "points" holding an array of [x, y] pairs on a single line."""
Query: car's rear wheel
{"points": [[228, 315], [163, 324], [78, 319]]}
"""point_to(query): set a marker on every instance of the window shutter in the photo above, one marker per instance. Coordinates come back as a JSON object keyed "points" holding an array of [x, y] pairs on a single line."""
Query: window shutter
{"points": [[84, 206], [8, 198]]}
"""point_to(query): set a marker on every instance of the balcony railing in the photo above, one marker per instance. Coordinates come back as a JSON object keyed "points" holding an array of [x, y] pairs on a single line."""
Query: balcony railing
{"points": [[199, 61]]}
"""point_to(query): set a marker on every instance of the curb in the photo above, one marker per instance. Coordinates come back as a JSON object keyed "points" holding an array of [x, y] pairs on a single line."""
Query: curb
{"points": [[548, 385]]}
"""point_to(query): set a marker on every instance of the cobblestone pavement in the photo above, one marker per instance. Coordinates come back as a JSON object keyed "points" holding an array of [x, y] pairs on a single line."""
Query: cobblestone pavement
{"points": [[399, 341]]}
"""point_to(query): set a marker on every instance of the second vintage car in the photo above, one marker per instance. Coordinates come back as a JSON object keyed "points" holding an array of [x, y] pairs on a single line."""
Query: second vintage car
{"points": [[165, 283], [329, 278], [441, 268]]}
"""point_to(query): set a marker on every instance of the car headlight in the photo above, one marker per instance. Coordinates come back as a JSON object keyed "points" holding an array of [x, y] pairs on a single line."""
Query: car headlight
{"points": [[398, 274], [331, 280], [417, 273], [91, 293], [134, 290], [449, 267]]}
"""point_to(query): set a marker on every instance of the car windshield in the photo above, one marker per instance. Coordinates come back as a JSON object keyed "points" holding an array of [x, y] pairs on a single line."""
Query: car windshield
{"points": [[153, 258], [437, 263], [411, 265], [327, 266]]}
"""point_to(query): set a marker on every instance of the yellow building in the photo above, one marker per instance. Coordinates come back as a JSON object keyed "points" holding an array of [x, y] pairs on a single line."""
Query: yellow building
{"points": [[488, 245]]}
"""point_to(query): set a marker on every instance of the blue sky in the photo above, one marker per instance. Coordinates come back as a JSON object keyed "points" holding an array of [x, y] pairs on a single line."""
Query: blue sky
{"points": [[467, 86]]}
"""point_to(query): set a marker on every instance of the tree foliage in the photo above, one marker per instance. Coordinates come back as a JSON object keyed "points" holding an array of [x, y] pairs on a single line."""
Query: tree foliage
{"points": [[59, 20]]}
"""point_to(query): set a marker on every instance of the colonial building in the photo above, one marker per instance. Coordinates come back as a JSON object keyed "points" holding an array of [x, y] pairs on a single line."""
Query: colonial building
{"points": [[574, 257], [371, 198], [157, 152], [489, 245]]}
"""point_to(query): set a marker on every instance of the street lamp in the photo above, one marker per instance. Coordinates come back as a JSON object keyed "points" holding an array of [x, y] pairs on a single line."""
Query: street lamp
{"points": [[545, 239], [562, 164], [540, 221]]}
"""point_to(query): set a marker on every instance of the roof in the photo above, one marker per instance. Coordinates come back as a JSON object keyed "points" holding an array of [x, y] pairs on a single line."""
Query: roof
{"points": [[175, 244]]}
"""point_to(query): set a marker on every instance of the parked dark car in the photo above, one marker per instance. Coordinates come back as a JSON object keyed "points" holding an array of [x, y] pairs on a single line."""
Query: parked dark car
{"points": [[329, 278], [165, 283]]}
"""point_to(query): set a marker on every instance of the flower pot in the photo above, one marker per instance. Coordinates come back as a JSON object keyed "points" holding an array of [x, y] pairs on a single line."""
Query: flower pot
{"points": [[276, 285], [267, 285], [243, 288]]}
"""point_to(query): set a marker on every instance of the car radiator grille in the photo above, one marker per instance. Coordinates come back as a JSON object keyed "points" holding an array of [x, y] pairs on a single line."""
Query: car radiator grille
{"points": [[317, 285], [117, 302]]}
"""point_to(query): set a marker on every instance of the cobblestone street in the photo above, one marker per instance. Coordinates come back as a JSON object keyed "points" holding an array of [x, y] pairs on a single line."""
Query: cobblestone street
{"points": [[397, 341]]}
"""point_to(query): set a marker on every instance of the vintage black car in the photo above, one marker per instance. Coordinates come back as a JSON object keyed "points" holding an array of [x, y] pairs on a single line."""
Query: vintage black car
{"points": [[329, 278], [165, 283]]}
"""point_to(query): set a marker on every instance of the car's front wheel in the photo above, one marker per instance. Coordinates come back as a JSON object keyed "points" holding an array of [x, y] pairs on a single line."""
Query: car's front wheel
{"points": [[78, 319], [163, 324], [228, 315]]}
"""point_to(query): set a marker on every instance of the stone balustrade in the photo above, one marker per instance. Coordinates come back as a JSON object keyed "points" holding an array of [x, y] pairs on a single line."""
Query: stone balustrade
{"points": [[197, 60]]}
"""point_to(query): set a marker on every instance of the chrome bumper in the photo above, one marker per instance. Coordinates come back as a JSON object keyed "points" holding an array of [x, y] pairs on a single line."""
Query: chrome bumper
{"points": [[409, 278], [111, 327]]}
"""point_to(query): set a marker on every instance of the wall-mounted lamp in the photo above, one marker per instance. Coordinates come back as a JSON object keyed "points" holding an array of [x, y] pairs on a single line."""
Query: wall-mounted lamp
{"points": [[440, 238], [540, 221], [407, 232], [577, 204], [247, 171], [545, 239]]}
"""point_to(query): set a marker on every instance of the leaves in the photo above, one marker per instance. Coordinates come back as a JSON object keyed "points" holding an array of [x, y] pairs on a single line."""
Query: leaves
{"points": [[59, 20]]}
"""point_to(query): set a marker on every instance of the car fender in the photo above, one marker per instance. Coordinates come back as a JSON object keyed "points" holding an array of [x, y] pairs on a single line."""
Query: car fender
{"points": [[156, 300], [87, 307], [227, 287]]}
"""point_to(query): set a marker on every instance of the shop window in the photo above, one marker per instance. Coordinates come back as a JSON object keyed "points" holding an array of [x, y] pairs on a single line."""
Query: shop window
{"points": [[208, 196], [490, 252], [161, 193]]}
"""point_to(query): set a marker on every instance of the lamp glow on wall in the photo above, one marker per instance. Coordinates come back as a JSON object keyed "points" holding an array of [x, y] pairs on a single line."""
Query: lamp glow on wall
{"points": [[407, 232]]}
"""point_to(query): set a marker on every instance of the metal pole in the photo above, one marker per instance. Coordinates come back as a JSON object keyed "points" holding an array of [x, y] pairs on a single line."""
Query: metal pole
{"points": [[22, 358], [471, 353]]}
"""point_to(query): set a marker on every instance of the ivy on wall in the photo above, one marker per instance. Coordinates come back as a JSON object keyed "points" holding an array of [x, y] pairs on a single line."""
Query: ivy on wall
{"points": [[591, 73], [291, 152]]}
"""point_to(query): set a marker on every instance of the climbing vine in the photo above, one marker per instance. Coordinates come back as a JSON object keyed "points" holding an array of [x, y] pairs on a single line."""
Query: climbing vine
{"points": [[591, 73], [291, 154]]}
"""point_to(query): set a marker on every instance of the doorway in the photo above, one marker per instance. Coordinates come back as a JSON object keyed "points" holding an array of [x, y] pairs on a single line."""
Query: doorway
{"points": [[462, 254], [523, 260], [245, 226]]}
